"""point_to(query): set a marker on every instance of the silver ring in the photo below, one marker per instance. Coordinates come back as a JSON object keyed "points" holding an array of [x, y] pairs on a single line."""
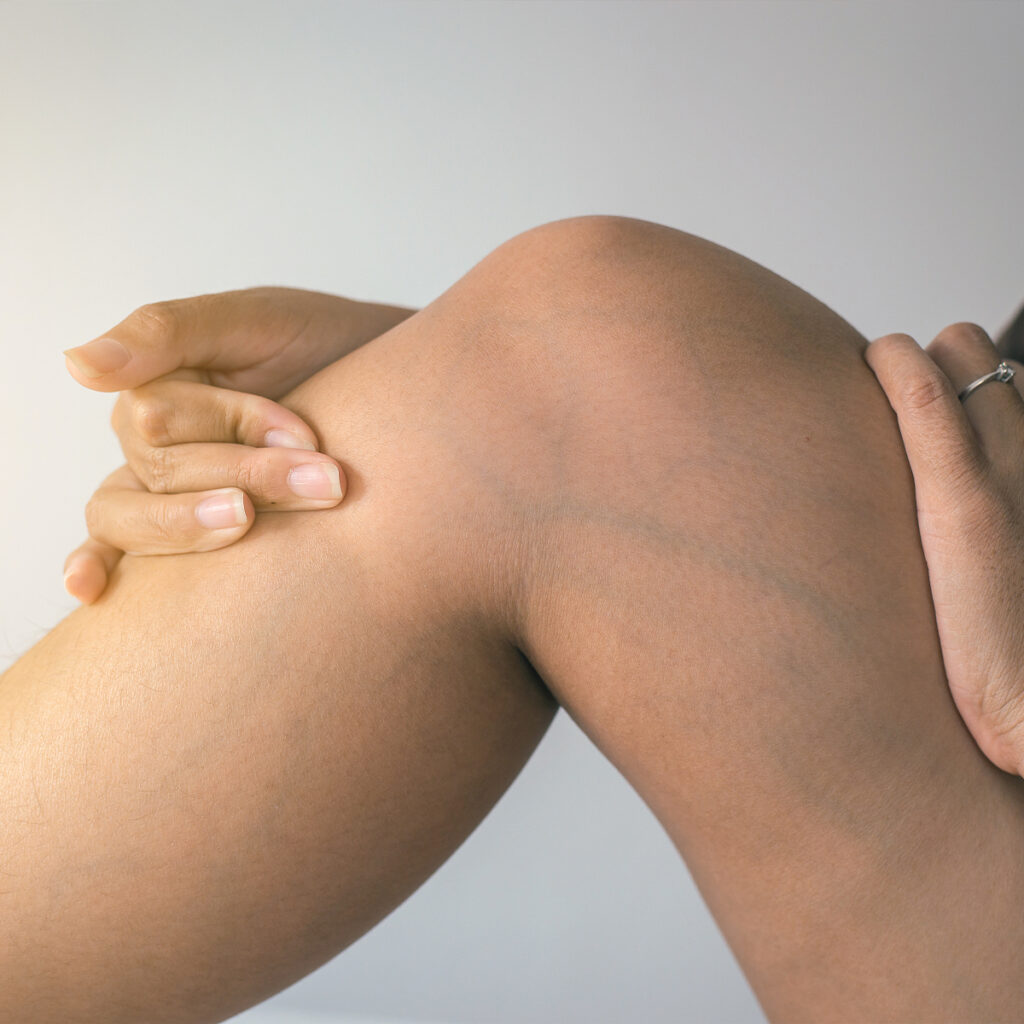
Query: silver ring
{"points": [[1002, 372]]}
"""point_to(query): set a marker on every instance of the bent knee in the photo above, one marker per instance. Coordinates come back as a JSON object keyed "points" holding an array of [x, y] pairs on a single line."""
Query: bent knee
{"points": [[625, 349], [651, 398], [604, 280], [603, 315]]}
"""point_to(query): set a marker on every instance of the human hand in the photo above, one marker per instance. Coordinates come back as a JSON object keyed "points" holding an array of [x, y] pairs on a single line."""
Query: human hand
{"points": [[201, 460], [261, 340], [969, 484], [202, 450]]}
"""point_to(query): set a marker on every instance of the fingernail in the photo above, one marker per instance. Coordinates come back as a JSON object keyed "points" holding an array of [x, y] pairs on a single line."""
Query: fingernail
{"points": [[315, 480], [220, 510], [72, 570], [286, 439], [99, 357]]}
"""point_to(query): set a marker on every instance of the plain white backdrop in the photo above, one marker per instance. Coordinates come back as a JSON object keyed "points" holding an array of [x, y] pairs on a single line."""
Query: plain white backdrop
{"points": [[870, 152]]}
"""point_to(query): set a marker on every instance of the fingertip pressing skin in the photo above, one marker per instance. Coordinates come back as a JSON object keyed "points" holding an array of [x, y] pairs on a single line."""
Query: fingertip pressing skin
{"points": [[224, 509], [319, 481], [231, 514], [874, 348], [278, 438], [85, 577], [157, 341], [871, 357]]}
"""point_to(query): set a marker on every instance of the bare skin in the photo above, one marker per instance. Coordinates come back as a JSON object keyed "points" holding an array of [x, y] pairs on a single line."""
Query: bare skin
{"points": [[206, 444], [616, 468], [969, 483]]}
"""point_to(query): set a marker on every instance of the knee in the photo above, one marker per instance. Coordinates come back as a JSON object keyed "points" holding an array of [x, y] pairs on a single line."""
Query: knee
{"points": [[679, 382], [562, 303], [597, 291], [590, 265], [621, 316], [609, 242]]}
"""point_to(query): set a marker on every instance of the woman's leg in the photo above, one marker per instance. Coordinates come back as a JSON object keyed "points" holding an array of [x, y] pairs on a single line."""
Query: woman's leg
{"points": [[663, 474], [726, 590], [233, 765]]}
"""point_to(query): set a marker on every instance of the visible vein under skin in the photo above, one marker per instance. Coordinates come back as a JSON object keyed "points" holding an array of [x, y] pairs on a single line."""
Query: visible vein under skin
{"points": [[719, 578]]}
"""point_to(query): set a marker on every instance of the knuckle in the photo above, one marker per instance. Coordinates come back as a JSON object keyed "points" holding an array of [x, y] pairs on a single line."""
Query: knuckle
{"points": [[235, 413], [965, 330], [254, 475], [158, 469], [955, 337], [253, 412], [158, 318], [150, 418], [924, 392], [169, 522]]}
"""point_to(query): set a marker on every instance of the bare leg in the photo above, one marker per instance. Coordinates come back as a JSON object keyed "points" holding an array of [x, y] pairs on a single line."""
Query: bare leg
{"points": [[727, 592], [230, 767], [664, 475]]}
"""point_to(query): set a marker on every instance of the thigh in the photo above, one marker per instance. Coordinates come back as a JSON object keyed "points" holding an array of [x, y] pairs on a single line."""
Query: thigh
{"points": [[726, 590], [235, 763]]}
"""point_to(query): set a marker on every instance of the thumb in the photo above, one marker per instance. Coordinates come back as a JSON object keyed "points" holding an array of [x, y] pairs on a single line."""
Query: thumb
{"points": [[155, 340], [941, 444]]}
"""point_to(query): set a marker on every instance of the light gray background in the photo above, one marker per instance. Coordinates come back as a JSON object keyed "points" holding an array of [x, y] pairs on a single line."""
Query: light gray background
{"points": [[869, 152]]}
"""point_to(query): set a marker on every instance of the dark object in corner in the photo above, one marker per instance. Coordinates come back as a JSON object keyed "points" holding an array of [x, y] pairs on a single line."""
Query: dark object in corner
{"points": [[1011, 342]]}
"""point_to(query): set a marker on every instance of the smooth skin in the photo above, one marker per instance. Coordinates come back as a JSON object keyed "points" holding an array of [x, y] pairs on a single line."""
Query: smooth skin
{"points": [[614, 468]]}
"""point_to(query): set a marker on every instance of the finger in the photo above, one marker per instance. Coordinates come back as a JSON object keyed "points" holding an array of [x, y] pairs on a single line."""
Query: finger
{"points": [[284, 479], [140, 523], [941, 444], [151, 341], [87, 570], [168, 412], [220, 333], [964, 352]]}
